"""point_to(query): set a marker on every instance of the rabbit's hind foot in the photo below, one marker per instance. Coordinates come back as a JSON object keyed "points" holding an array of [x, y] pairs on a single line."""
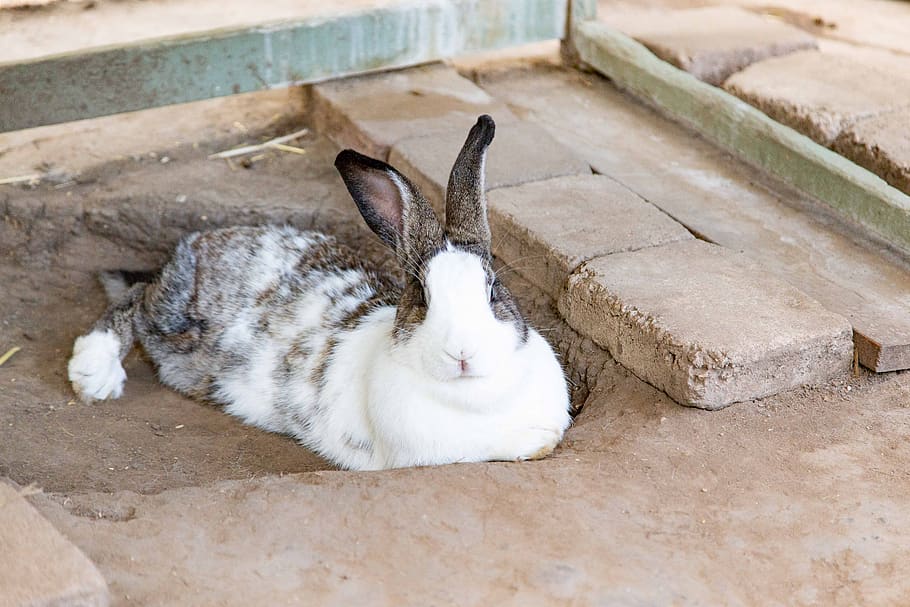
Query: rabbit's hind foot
{"points": [[95, 370]]}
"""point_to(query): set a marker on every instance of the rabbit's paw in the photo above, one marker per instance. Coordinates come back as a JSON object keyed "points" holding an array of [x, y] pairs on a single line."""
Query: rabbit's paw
{"points": [[94, 369], [535, 443]]}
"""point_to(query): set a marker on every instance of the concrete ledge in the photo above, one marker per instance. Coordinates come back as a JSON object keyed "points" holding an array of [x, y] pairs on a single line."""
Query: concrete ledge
{"points": [[38, 566], [753, 136], [705, 326]]}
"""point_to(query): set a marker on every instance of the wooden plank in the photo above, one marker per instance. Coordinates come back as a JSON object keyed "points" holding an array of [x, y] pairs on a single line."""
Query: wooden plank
{"points": [[189, 67], [726, 202]]}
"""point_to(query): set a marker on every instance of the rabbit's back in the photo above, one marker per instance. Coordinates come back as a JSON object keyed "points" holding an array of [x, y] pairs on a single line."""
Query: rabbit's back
{"points": [[248, 317]]}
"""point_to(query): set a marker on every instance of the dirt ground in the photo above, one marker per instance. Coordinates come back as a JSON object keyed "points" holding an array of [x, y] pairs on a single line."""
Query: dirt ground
{"points": [[798, 499]]}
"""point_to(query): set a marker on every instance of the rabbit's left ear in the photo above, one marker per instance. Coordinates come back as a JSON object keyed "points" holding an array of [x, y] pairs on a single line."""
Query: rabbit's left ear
{"points": [[466, 202], [392, 207]]}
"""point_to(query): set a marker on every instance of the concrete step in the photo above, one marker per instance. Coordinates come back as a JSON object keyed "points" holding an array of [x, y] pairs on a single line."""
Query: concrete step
{"points": [[545, 229], [373, 113], [820, 94], [38, 566], [710, 42], [726, 202], [706, 325], [882, 145]]}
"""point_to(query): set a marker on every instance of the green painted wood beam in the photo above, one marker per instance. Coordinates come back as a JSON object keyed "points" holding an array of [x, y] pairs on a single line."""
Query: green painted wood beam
{"points": [[748, 133], [201, 65]]}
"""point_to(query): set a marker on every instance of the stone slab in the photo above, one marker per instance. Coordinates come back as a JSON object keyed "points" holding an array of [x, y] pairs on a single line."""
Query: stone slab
{"points": [[711, 43], [521, 152], [882, 145], [705, 325], [374, 112], [806, 243], [820, 94], [546, 229], [38, 566]]}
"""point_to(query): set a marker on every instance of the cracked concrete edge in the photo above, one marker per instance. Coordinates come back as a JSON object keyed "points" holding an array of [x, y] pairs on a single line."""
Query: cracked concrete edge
{"points": [[688, 372], [748, 133]]}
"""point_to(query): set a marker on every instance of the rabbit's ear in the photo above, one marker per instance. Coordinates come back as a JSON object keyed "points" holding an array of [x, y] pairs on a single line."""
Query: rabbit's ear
{"points": [[466, 203], [390, 204]]}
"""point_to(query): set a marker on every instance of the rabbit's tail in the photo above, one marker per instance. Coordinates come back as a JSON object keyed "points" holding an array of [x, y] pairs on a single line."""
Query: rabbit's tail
{"points": [[117, 282], [94, 369]]}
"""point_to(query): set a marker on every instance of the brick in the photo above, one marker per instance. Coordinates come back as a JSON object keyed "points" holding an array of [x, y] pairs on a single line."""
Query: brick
{"points": [[38, 566], [882, 145], [711, 43], [820, 94], [546, 229], [372, 113], [705, 326], [521, 152]]}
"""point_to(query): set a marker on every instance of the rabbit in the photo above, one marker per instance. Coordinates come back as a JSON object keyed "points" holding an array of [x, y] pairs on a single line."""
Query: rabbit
{"points": [[287, 331]]}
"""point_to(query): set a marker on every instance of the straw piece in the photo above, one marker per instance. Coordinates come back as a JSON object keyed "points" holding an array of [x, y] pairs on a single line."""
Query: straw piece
{"points": [[251, 149], [9, 354]]}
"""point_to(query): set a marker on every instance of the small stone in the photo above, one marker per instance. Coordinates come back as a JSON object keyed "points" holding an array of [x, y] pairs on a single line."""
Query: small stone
{"points": [[181, 198]]}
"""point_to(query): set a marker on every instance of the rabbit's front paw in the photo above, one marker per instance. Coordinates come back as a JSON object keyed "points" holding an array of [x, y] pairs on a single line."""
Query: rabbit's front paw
{"points": [[94, 369], [534, 443]]}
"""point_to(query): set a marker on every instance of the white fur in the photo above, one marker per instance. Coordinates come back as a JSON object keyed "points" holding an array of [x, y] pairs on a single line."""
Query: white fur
{"points": [[413, 403], [251, 394], [94, 369]]}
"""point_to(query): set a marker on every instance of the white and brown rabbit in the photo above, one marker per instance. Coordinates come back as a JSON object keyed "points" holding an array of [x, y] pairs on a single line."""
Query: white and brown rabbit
{"points": [[290, 333]]}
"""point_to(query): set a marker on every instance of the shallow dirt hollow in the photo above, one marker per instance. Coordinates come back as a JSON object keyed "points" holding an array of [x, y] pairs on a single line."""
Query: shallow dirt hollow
{"points": [[799, 499]]}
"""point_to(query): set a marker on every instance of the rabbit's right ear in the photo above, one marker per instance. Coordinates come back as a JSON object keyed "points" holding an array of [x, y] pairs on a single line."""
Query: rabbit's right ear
{"points": [[390, 204], [466, 201]]}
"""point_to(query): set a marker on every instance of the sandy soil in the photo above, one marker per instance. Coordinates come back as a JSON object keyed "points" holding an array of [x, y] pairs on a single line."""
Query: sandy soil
{"points": [[799, 499]]}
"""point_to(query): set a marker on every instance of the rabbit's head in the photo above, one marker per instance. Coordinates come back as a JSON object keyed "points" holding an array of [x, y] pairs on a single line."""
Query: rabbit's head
{"points": [[455, 319]]}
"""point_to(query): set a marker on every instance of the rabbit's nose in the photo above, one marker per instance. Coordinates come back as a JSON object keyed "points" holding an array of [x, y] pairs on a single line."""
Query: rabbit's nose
{"points": [[462, 358], [460, 355]]}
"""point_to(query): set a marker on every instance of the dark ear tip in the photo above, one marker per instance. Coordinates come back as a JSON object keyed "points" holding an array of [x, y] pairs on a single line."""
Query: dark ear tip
{"points": [[486, 128], [346, 158], [349, 159]]}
